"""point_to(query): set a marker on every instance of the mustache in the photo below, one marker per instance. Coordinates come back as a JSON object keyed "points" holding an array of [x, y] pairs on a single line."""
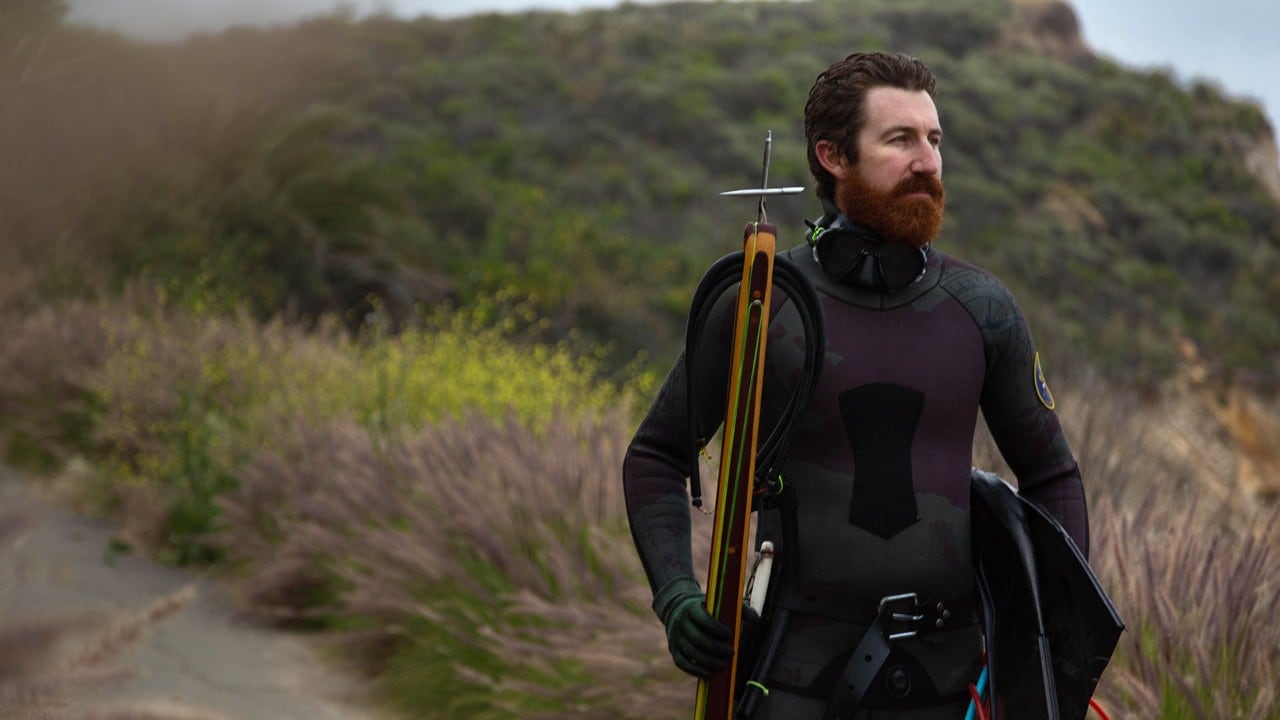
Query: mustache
{"points": [[929, 184]]}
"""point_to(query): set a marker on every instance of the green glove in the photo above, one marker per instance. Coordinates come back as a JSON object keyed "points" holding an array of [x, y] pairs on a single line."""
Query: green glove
{"points": [[699, 644]]}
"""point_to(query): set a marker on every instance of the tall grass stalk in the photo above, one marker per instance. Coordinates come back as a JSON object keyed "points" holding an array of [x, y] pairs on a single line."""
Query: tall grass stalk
{"points": [[484, 570], [48, 412], [1200, 598]]}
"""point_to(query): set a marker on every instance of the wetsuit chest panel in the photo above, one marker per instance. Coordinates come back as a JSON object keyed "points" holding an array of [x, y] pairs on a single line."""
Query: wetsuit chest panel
{"points": [[929, 348], [930, 356]]}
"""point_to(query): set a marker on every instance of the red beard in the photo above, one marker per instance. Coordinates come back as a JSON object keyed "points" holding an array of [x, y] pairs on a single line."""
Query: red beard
{"points": [[893, 215]]}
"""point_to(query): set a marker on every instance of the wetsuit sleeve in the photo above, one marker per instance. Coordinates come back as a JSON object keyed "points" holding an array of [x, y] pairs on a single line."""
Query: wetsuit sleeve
{"points": [[662, 452], [653, 477], [1019, 410], [660, 457]]}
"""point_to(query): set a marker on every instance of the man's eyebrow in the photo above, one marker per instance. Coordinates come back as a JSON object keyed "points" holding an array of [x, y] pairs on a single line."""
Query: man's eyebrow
{"points": [[936, 131]]}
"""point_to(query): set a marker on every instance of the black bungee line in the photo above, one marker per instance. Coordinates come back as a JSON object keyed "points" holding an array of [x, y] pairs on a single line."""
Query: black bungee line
{"points": [[724, 274]]}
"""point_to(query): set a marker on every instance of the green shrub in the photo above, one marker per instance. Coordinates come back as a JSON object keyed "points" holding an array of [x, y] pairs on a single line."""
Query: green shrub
{"points": [[187, 399], [471, 360]]}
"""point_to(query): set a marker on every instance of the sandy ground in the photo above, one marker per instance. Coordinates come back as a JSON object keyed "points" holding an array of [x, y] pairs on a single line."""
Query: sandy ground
{"points": [[207, 656]]}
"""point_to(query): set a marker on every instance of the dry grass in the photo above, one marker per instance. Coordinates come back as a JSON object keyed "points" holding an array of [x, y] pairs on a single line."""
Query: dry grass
{"points": [[46, 363], [1174, 442], [478, 561], [1200, 597], [490, 564], [16, 278], [488, 561]]}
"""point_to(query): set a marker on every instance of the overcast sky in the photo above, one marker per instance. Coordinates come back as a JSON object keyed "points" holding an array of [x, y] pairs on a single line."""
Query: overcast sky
{"points": [[1234, 42]]}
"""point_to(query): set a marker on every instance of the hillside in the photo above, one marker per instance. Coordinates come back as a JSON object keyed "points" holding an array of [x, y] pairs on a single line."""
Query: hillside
{"points": [[346, 167], [185, 229]]}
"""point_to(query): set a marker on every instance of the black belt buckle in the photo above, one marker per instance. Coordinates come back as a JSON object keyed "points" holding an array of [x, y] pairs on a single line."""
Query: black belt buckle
{"points": [[900, 616]]}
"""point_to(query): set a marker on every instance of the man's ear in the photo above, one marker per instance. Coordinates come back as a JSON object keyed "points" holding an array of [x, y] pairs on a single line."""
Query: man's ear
{"points": [[831, 158]]}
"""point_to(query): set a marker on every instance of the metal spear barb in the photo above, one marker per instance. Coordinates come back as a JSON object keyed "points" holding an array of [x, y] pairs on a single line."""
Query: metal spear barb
{"points": [[789, 190], [764, 190]]}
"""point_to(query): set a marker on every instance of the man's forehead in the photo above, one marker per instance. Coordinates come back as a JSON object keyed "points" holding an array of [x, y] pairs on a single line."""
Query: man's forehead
{"points": [[890, 107]]}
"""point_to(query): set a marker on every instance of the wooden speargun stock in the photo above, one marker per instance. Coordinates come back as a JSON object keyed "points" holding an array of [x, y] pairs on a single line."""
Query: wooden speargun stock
{"points": [[726, 576]]}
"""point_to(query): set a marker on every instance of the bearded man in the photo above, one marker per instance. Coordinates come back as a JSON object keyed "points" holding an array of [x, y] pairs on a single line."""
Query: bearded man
{"points": [[876, 503]]}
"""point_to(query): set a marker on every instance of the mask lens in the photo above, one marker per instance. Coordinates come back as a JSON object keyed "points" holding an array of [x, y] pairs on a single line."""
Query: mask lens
{"points": [[839, 253], [900, 265]]}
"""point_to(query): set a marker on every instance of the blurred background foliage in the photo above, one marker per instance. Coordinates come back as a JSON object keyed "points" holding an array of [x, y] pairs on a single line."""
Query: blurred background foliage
{"points": [[576, 159], [363, 312]]}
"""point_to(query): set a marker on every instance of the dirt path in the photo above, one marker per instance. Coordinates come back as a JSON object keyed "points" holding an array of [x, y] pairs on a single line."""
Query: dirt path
{"points": [[206, 656]]}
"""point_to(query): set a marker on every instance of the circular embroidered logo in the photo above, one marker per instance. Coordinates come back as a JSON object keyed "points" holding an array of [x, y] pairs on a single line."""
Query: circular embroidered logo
{"points": [[1042, 387]]}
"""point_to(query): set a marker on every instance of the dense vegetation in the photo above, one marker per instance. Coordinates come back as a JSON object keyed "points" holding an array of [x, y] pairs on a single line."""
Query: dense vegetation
{"points": [[350, 309], [575, 158]]}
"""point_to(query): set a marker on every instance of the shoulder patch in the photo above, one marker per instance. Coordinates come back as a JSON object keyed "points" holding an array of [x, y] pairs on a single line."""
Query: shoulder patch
{"points": [[1042, 387]]}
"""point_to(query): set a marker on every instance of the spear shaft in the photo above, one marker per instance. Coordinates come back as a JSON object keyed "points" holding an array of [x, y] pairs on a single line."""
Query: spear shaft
{"points": [[727, 571]]}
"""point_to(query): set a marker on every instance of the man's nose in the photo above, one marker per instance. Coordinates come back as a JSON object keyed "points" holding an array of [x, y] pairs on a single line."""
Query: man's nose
{"points": [[927, 160]]}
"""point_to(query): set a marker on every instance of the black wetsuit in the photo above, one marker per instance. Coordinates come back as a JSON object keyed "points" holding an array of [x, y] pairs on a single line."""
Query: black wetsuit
{"points": [[877, 476]]}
